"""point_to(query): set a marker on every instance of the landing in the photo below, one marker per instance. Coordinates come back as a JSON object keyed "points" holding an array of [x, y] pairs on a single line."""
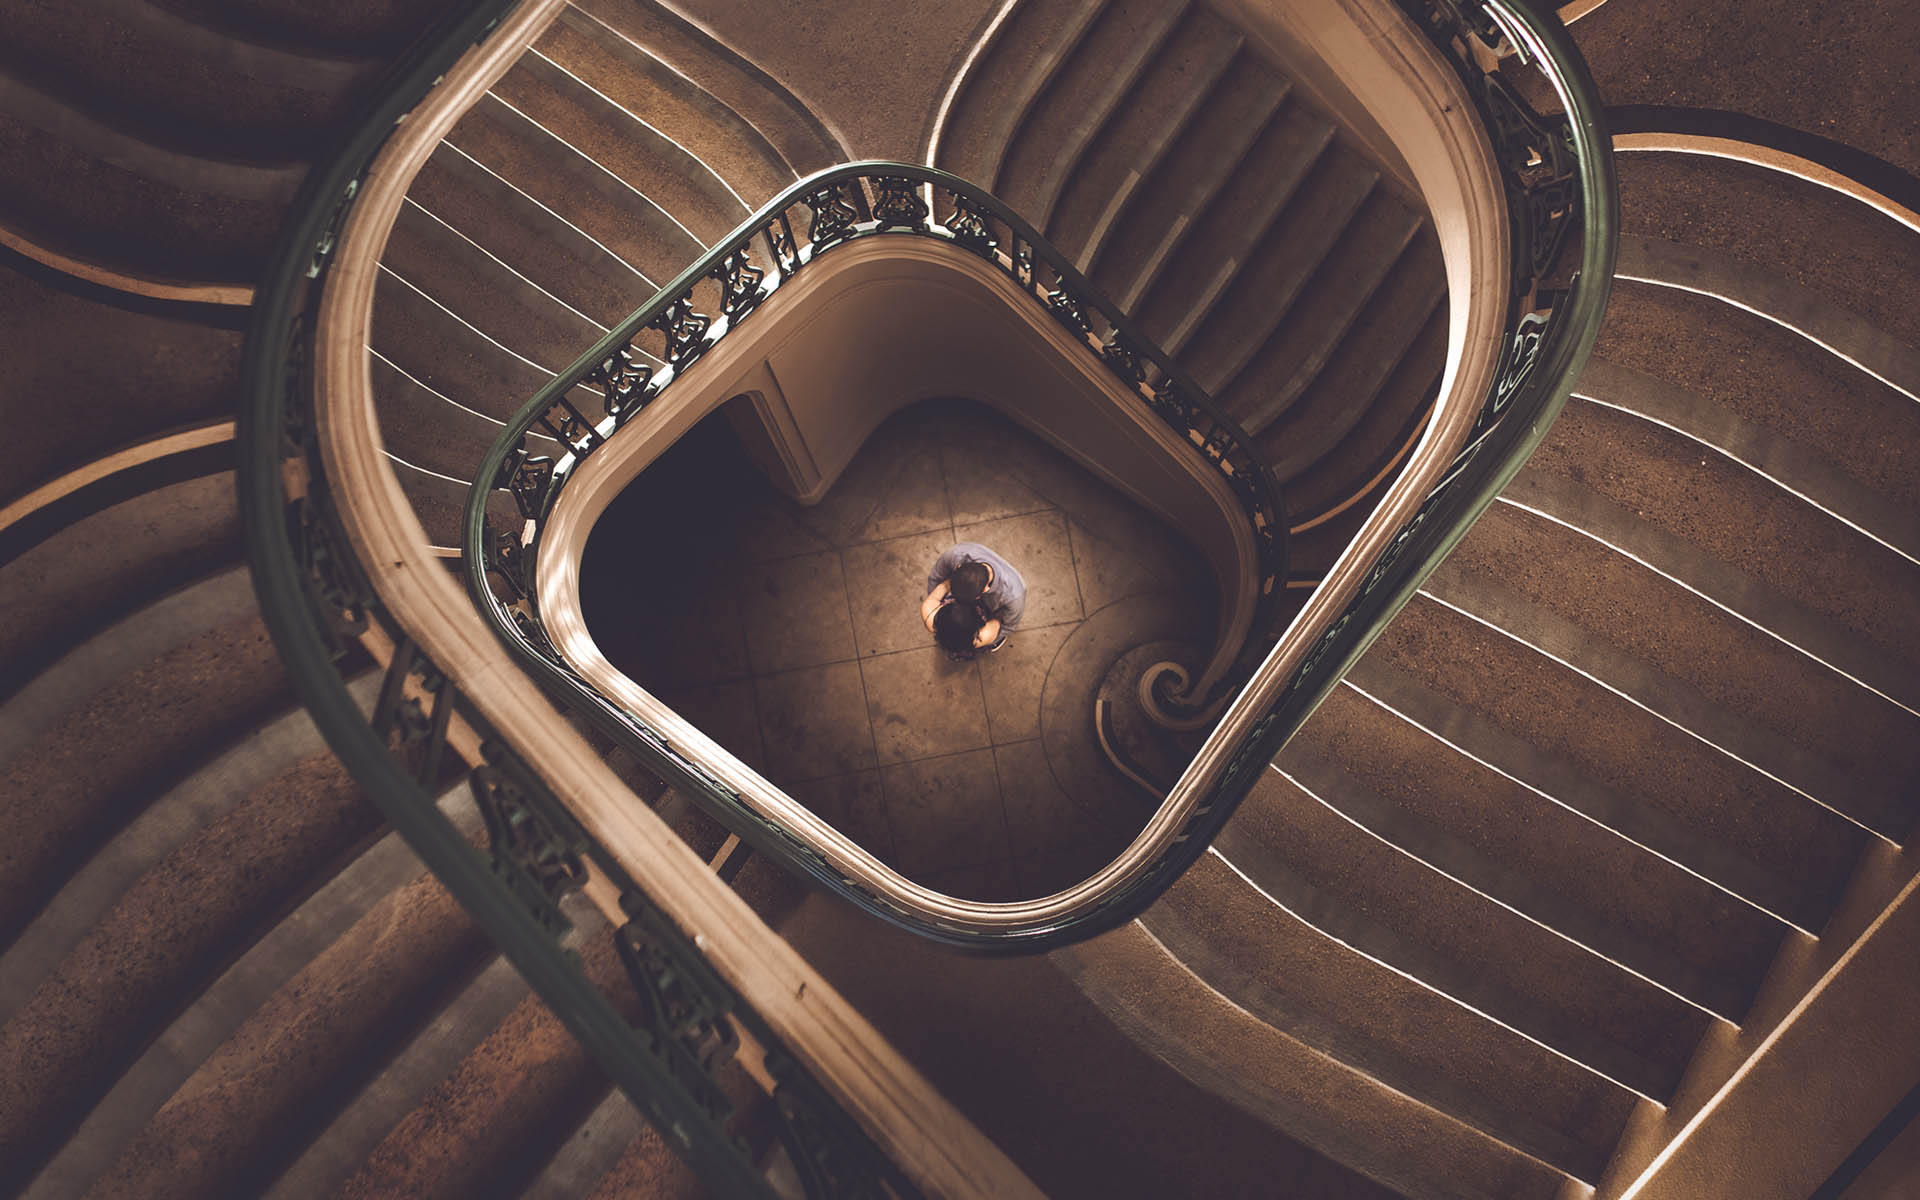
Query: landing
{"points": [[792, 635]]}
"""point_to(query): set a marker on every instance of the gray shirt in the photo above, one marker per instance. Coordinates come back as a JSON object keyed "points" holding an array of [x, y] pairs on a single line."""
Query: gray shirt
{"points": [[1005, 598]]}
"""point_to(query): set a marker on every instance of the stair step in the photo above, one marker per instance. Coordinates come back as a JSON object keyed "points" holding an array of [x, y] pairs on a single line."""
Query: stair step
{"points": [[1321, 979], [1819, 480], [799, 137], [625, 144], [594, 1158], [436, 1052], [629, 75], [1763, 374], [530, 238], [1129, 148], [1025, 53], [1341, 401], [1215, 332], [1080, 98], [1357, 471], [170, 822], [275, 1081], [1536, 699], [1792, 547], [220, 96], [422, 336], [93, 769], [1191, 171], [1344, 283], [76, 582], [106, 198], [486, 293], [1274, 1072], [535, 159], [165, 939], [201, 1029], [1321, 778], [1532, 850], [374, 30]]}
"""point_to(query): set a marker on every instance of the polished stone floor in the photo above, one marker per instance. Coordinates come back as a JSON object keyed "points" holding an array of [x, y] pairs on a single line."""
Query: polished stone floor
{"points": [[791, 634]]}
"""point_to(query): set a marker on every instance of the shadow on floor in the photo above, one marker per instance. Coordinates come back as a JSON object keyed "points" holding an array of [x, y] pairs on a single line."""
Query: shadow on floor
{"points": [[791, 634]]}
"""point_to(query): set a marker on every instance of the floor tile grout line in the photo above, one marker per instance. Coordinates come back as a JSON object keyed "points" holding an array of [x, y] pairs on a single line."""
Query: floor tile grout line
{"points": [[1073, 556]]}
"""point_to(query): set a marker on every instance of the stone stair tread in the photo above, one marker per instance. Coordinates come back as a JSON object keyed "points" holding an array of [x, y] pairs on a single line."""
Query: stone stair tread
{"points": [[1797, 550], [371, 30], [625, 144], [1362, 465], [534, 159], [421, 335], [1532, 697], [275, 1080], [1214, 330], [1763, 374], [1025, 53], [1267, 1070], [1834, 487], [1675, 701], [221, 96], [1341, 864], [1079, 100], [109, 199], [259, 759], [439, 503], [365, 884], [1731, 636], [1343, 401], [1124, 155], [530, 238], [428, 1059], [459, 437], [799, 137], [1498, 834], [484, 292], [1192, 171], [165, 939], [93, 769], [1823, 240], [1321, 315], [1317, 989], [73, 584], [632, 77]]}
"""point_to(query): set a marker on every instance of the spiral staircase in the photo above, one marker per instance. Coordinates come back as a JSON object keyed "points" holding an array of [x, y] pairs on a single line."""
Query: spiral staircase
{"points": [[1595, 821]]}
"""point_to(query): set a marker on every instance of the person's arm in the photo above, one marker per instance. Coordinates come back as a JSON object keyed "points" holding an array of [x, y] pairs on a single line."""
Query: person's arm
{"points": [[931, 604], [988, 635], [943, 567]]}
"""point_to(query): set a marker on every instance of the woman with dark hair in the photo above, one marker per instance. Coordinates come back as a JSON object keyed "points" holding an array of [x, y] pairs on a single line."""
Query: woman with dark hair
{"points": [[961, 628]]}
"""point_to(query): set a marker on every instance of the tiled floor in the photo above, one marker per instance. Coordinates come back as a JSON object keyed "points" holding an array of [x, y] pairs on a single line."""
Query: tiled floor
{"points": [[792, 635]]}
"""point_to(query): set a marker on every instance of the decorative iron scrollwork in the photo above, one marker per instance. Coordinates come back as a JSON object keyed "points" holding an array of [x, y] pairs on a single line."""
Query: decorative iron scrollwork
{"points": [[739, 282], [780, 247], [507, 558], [897, 203], [685, 1004], [623, 381], [834, 216], [1068, 311], [571, 428], [536, 848], [969, 228], [530, 478], [685, 330], [832, 1155], [1123, 360], [337, 592]]}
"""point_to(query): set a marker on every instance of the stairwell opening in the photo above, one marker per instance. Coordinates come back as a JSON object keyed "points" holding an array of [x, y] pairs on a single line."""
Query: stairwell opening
{"points": [[790, 632]]}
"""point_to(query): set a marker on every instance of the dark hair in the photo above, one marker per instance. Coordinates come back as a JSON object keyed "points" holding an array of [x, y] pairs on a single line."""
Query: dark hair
{"points": [[968, 581], [956, 624]]}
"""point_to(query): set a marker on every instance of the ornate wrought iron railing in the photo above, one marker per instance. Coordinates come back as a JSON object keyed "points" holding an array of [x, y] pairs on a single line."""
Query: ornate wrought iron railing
{"points": [[663, 1042], [1558, 180], [628, 369]]}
